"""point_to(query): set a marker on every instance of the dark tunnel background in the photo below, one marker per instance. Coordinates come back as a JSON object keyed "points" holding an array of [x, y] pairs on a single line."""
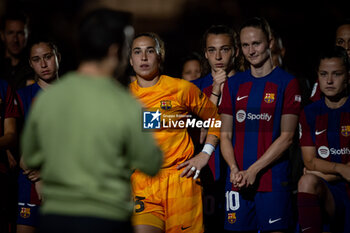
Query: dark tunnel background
{"points": [[304, 27]]}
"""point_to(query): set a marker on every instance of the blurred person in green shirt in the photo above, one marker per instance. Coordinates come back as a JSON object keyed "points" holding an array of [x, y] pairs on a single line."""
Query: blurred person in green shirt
{"points": [[84, 135]]}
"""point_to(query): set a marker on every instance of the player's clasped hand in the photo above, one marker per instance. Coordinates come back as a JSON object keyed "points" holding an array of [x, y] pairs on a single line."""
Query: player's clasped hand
{"points": [[235, 177], [243, 179]]}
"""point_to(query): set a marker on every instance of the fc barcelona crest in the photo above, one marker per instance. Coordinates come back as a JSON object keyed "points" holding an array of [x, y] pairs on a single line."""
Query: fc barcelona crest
{"points": [[345, 130], [231, 217], [269, 97], [165, 104], [25, 212]]}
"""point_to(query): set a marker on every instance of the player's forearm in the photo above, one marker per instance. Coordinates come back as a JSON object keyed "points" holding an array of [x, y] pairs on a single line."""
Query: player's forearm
{"points": [[216, 87], [323, 166], [214, 131], [7, 141], [228, 152], [226, 140], [276, 149], [214, 98], [330, 178], [212, 139], [327, 177], [209, 112], [273, 153]]}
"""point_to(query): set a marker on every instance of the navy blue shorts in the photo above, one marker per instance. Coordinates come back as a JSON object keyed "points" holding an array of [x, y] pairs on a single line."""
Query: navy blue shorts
{"points": [[250, 210], [28, 214], [28, 205], [266, 211]]}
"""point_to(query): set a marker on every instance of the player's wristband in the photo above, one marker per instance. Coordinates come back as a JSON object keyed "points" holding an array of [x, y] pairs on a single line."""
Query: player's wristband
{"points": [[215, 94], [208, 149]]}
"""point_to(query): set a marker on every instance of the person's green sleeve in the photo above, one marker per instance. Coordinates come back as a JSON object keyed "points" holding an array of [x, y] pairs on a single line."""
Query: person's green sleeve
{"points": [[146, 155]]}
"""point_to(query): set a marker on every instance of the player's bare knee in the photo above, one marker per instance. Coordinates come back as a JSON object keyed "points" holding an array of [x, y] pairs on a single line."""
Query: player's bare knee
{"points": [[308, 183]]}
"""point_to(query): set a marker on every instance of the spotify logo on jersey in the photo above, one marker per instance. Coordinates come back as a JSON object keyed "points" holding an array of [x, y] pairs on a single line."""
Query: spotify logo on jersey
{"points": [[240, 116], [323, 152]]}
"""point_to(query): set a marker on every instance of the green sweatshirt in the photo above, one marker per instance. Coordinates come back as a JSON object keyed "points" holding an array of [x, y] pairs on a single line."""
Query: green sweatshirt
{"points": [[84, 135]]}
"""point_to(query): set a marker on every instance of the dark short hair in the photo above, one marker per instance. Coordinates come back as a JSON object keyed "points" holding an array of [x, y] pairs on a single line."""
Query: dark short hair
{"points": [[219, 30], [343, 22], [98, 30], [260, 23], [13, 15], [37, 39], [334, 52], [234, 39], [190, 57]]}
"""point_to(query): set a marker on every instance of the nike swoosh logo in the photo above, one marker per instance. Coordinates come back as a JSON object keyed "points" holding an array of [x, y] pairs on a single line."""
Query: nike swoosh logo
{"points": [[319, 132], [304, 229], [240, 98], [275, 220], [184, 228]]}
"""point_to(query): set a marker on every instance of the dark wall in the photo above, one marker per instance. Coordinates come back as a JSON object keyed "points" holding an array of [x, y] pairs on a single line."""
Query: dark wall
{"points": [[304, 27]]}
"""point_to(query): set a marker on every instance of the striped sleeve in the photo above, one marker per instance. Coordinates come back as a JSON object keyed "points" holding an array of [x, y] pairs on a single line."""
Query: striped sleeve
{"points": [[305, 137]]}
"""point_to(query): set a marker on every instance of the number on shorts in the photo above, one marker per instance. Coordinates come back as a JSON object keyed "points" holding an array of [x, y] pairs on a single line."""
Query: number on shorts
{"points": [[139, 202], [232, 200]]}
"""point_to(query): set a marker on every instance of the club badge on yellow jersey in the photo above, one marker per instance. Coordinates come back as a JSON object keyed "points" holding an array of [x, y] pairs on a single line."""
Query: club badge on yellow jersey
{"points": [[269, 98], [165, 104]]}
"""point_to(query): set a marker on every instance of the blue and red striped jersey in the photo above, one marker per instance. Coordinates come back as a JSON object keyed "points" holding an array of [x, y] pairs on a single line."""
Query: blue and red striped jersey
{"points": [[203, 82], [26, 189], [205, 85], [257, 106], [8, 109], [26, 96], [328, 130]]}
